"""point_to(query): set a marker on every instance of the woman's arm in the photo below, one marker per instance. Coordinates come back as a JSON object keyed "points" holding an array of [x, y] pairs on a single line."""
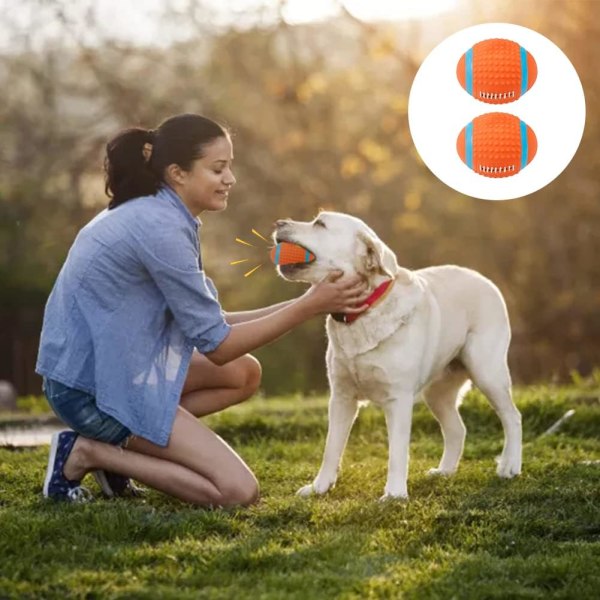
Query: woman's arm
{"points": [[328, 296], [250, 315]]}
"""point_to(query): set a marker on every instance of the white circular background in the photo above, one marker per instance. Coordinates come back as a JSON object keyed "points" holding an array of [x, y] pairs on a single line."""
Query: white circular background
{"points": [[554, 107]]}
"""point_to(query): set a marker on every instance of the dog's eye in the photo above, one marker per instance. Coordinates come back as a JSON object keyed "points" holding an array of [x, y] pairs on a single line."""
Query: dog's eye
{"points": [[320, 223]]}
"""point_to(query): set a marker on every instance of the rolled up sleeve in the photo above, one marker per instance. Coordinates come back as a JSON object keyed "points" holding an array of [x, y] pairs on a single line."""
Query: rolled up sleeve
{"points": [[212, 288], [172, 262]]}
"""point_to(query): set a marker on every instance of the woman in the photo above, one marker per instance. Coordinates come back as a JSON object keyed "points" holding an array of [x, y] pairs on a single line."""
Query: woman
{"points": [[135, 345]]}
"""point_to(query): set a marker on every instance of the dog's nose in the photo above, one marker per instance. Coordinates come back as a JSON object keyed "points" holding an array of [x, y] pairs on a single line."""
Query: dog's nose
{"points": [[281, 222]]}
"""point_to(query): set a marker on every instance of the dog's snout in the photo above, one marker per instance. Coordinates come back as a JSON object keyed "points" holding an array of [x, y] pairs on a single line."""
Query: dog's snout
{"points": [[281, 222]]}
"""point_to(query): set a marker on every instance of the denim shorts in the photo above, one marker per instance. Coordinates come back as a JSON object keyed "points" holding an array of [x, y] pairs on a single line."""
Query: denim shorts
{"points": [[78, 410]]}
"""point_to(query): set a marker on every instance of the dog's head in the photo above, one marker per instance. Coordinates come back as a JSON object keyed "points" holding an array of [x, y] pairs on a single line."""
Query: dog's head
{"points": [[340, 242]]}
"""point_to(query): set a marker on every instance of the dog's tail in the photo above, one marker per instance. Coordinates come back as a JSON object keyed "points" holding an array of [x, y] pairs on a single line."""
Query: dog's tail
{"points": [[462, 392]]}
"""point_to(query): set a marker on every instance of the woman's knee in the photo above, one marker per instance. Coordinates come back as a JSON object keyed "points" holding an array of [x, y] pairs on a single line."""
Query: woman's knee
{"points": [[252, 373], [240, 493]]}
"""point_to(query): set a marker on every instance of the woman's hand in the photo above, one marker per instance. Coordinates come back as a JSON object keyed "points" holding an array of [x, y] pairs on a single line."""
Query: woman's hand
{"points": [[334, 294]]}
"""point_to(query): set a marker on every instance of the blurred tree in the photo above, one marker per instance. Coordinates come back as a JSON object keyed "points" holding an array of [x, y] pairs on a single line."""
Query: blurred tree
{"points": [[319, 116]]}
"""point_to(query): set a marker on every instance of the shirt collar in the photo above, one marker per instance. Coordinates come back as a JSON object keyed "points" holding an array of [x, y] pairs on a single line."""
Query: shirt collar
{"points": [[169, 194]]}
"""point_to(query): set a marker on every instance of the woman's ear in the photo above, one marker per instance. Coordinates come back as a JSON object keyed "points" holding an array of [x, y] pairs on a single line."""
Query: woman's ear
{"points": [[174, 174]]}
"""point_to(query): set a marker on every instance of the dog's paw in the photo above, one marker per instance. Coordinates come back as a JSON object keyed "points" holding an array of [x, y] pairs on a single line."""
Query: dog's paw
{"points": [[314, 488], [387, 497], [439, 472], [508, 468], [306, 491]]}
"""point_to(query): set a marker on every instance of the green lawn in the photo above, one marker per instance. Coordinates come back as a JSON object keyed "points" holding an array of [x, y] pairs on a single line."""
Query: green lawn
{"points": [[472, 536]]}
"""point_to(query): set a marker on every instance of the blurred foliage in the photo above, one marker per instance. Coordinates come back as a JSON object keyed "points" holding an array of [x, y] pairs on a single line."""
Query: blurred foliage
{"points": [[33, 405], [319, 116]]}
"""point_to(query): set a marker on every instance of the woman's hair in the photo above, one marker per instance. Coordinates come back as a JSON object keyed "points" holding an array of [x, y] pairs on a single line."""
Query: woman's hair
{"points": [[136, 158]]}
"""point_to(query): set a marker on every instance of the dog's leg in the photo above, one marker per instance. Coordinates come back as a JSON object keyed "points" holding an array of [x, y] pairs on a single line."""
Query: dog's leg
{"points": [[499, 394], [398, 416], [342, 412], [490, 374], [443, 398]]}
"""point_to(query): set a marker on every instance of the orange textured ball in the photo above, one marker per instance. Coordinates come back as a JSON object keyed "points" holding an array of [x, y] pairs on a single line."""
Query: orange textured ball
{"points": [[496, 145], [496, 71], [286, 253]]}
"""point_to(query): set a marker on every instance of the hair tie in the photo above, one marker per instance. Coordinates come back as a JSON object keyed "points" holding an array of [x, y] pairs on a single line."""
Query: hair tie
{"points": [[147, 151]]}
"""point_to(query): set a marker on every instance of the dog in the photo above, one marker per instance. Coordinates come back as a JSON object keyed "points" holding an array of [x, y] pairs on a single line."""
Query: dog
{"points": [[426, 334]]}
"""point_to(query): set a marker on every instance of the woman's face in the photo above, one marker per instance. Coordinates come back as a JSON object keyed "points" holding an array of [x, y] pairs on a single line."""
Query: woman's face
{"points": [[206, 186]]}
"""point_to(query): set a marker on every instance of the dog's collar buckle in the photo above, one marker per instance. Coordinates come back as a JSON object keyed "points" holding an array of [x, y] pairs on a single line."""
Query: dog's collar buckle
{"points": [[380, 292], [339, 317]]}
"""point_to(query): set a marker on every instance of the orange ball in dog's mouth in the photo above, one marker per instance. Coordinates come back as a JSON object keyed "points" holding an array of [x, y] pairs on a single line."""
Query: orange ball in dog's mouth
{"points": [[287, 253]]}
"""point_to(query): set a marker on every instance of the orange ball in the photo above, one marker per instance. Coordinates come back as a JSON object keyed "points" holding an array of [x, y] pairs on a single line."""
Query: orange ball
{"points": [[286, 253], [496, 145], [496, 71]]}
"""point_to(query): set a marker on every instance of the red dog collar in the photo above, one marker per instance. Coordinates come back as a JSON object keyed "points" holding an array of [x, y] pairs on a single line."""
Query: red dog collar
{"points": [[380, 292]]}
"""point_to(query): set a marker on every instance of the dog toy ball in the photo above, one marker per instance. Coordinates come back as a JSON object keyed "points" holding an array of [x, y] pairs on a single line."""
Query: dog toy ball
{"points": [[286, 253], [496, 71], [496, 145]]}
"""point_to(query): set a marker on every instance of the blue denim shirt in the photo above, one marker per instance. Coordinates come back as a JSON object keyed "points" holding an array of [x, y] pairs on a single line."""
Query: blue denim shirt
{"points": [[127, 309]]}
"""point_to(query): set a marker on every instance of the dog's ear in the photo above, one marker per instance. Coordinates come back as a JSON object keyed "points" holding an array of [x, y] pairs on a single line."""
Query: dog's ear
{"points": [[376, 257]]}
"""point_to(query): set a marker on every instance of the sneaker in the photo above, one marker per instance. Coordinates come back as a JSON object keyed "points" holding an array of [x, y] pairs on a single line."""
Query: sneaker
{"points": [[116, 486], [56, 485]]}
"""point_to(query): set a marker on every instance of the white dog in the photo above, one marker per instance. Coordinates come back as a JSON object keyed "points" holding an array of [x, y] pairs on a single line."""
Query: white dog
{"points": [[425, 334]]}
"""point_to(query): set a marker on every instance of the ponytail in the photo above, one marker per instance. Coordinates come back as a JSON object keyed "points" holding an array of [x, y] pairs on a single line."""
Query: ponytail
{"points": [[128, 166], [136, 158]]}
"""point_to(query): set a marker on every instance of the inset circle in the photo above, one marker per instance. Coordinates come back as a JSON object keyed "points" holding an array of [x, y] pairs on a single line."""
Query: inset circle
{"points": [[439, 108]]}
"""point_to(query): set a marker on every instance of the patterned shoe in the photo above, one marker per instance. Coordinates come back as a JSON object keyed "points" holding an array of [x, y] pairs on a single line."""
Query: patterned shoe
{"points": [[56, 485], [116, 486]]}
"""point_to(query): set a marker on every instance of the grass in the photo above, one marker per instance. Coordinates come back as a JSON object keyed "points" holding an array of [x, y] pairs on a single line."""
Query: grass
{"points": [[471, 536]]}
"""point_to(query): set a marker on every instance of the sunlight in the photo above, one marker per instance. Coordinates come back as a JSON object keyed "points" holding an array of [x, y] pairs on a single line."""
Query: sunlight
{"points": [[303, 11], [144, 23], [296, 12]]}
